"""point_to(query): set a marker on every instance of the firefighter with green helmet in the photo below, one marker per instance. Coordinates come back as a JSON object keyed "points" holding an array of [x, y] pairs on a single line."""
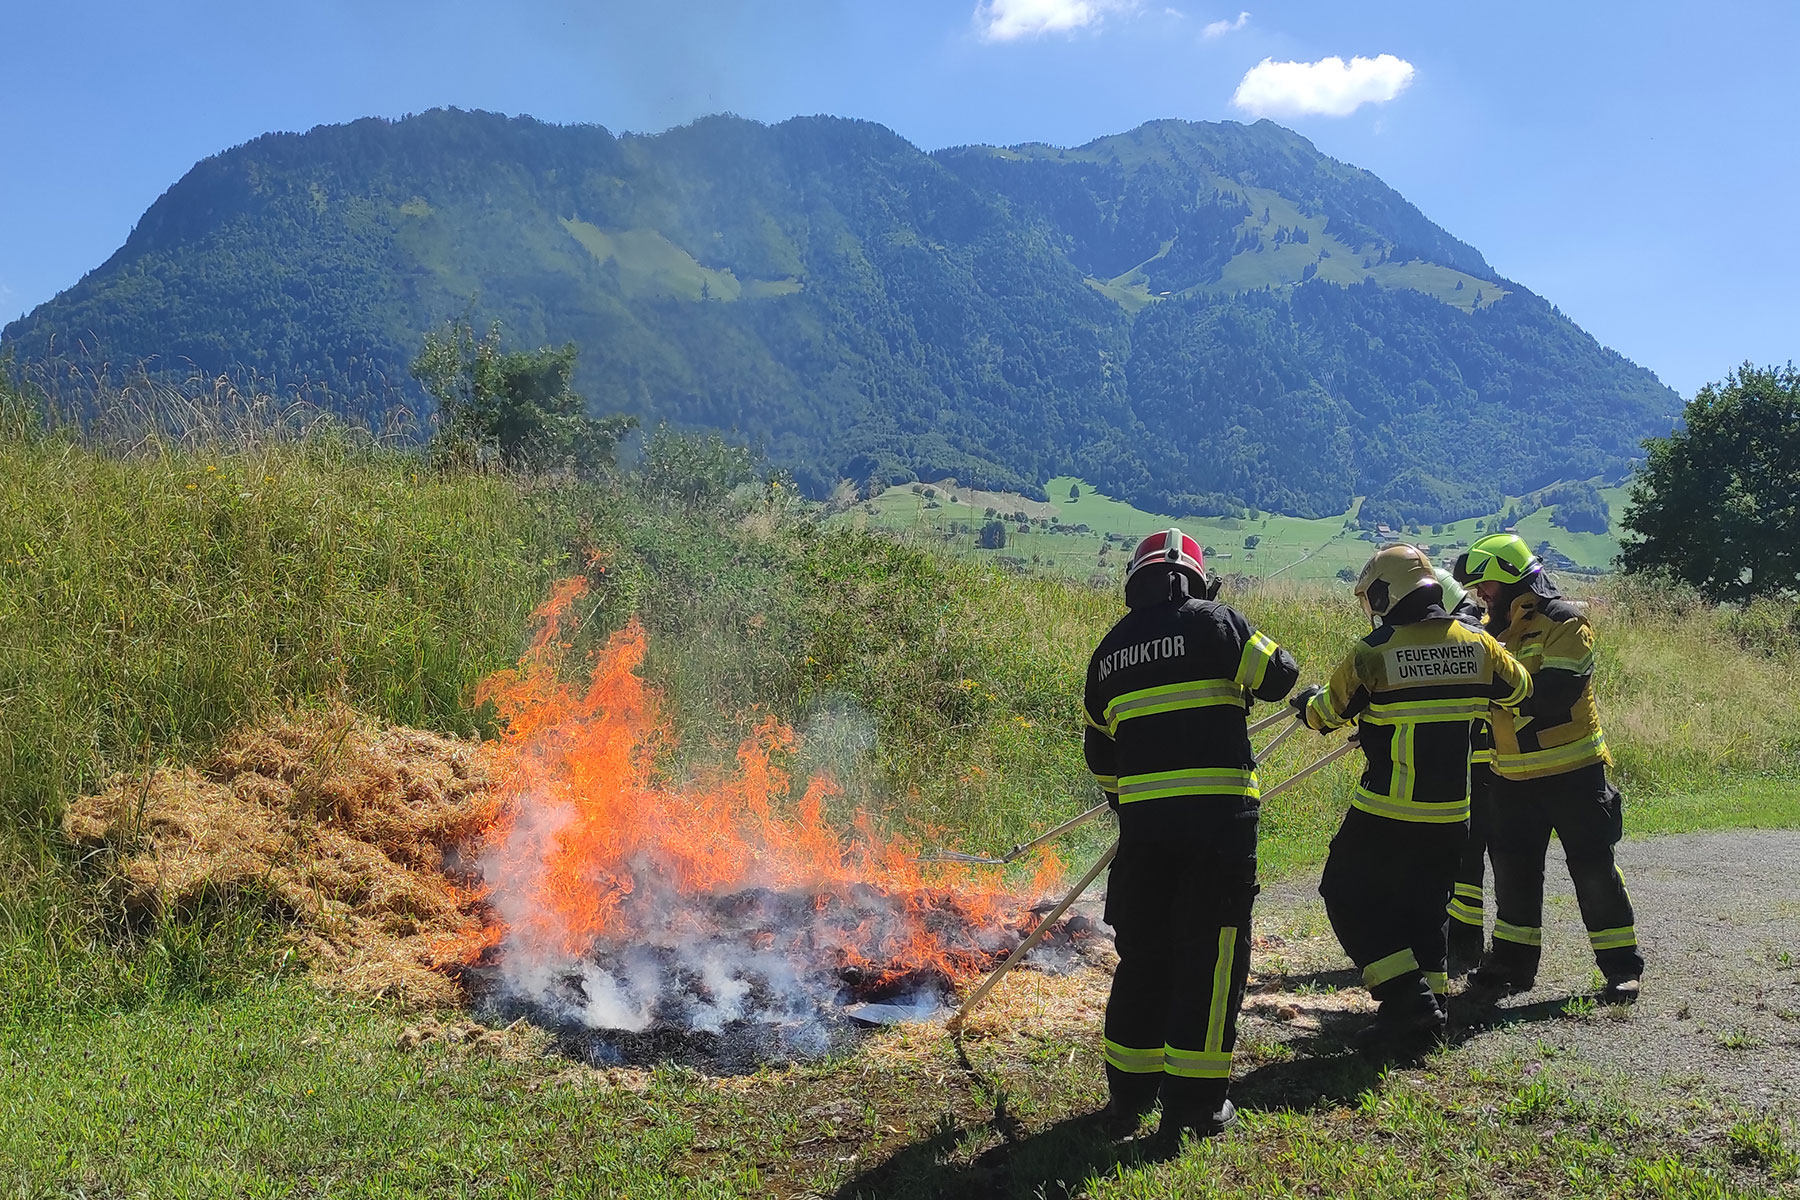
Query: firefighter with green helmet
{"points": [[1468, 937], [1550, 761], [1414, 686]]}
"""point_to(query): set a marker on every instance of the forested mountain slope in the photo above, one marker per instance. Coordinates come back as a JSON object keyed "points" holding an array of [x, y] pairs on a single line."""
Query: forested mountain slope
{"points": [[1195, 317]]}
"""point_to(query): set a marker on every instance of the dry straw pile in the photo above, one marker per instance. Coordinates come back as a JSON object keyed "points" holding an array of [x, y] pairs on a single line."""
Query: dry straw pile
{"points": [[346, 830]]}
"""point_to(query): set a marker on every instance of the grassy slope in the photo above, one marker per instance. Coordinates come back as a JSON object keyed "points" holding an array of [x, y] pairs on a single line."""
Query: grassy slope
{"points": [[1288, 547], [174, 1059]]}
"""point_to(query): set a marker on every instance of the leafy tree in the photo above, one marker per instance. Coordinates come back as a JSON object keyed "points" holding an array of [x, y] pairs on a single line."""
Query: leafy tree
{"points": [[1074, 492], [1716, 505], [515, 407], [992, 537], [696, 468], [1253, 541]]}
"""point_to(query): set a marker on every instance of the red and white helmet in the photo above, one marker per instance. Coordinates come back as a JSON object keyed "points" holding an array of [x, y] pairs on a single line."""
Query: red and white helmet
{"points": [[1171, 549]]}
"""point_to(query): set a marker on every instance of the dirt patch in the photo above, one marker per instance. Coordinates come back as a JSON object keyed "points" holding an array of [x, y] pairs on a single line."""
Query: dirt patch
{"points": [[1718, 916], [346, 829]]}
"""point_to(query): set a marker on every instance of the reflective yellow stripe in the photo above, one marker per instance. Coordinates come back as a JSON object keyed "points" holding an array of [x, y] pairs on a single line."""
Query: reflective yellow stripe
{"points": [[1575, 666], [1439, 981], [1221, 990], [1254, 663], [1196, 781], [1471, 890], [1613, 939], [1197, 1064], [1172, 697], [1467, 914], [1391, 967], [1423, 811], [1518, 692], [1589, 749], [1397, 711], [1483, 755], [1518, 934], [1088, 718], [1321, 705], [1132, 1059], [1108, 783]]}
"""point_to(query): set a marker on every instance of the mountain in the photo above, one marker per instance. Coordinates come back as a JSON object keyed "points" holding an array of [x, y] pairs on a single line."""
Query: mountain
{"points": [[1195, 317]]}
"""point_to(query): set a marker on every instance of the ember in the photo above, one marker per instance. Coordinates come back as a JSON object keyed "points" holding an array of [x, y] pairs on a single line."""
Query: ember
{"points": [[724, 923]]}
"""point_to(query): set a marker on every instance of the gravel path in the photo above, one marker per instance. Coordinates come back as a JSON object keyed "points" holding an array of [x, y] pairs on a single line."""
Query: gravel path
{"points": [[1718, 915]]}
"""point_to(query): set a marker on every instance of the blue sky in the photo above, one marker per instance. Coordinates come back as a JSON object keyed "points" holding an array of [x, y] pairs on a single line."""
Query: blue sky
{"points": [[1634, 163]]}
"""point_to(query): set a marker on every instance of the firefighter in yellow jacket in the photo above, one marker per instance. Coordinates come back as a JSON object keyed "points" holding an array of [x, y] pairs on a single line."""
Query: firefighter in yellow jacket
{"points": [[1414, 686], [1550, 765]]}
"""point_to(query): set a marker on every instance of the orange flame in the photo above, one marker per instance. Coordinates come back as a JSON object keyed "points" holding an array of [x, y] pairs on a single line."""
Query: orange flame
{"points": [[585, 823]]}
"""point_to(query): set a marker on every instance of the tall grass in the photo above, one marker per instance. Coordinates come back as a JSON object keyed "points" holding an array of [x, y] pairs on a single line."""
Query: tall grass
{"points": [[157, 590]]}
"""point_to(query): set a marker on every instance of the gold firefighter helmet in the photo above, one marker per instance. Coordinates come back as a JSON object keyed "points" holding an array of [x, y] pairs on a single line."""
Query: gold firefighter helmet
{"points": [[1390, 576]]}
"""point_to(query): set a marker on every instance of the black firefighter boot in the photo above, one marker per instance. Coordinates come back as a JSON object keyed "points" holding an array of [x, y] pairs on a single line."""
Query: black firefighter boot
{"points": [[1409, 1020], [1467, 943]]}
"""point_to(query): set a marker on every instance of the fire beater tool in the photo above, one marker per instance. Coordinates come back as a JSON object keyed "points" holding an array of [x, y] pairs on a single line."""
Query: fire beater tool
{"points": [[1081, 818], [954, 1025]]}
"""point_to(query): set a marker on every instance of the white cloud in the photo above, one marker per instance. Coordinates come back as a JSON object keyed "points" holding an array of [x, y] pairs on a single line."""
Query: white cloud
{"points": [[1219, 29], [1330, 87], [1009, 20]]}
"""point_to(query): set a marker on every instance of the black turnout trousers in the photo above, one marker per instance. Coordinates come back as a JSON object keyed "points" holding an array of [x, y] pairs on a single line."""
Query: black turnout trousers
{"points": [[1466, 907], [1585, 813], [1179, 898], [1386, 885]]}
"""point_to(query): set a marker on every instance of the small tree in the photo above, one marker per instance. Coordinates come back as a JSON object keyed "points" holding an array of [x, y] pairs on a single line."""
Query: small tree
{"points": [[1715, 505], [1253, 541], [992, 536], [516, 407], [1074, 492]]}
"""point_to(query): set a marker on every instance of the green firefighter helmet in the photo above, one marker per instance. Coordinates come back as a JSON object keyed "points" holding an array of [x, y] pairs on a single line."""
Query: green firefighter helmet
{"points": [[1453, 591], [1497, 558], [1390, 576]]}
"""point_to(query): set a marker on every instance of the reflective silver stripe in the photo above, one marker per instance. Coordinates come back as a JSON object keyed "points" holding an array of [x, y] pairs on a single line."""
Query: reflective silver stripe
{"points": [[1392, 967], [1253, 665], [1613, 939], [1419, 811], [1461, 911], [1172, 697], [1200, 781], [1221, 991], [1590, 748], [1132, 1059], [1575, 666], [1197, 1064], [1522, 935], [1396, 711]]}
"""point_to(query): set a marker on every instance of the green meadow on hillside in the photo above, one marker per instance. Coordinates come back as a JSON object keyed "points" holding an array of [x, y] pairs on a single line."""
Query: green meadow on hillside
{"points": [[1285, 547]]}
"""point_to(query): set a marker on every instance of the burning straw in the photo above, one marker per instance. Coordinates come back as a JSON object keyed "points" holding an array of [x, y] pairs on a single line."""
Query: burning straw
{"points": [[724, 906], [553, 874]]}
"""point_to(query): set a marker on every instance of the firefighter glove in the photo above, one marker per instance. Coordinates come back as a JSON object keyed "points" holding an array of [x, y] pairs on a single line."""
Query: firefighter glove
{"points": [[1300, 699]]}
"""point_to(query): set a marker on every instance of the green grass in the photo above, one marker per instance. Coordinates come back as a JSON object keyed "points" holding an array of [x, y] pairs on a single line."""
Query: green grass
{"points": [[149, 602], [1288, 547], [280, 1091]]}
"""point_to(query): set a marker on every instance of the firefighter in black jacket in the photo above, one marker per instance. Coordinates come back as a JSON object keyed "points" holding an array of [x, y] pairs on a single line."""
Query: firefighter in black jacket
{"points": [[1167, 693], [1550, 765], [1413, 686]]}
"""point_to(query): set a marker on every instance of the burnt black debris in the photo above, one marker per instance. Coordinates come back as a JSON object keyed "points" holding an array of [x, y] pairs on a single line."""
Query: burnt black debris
{"points": [[727, 984]]}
